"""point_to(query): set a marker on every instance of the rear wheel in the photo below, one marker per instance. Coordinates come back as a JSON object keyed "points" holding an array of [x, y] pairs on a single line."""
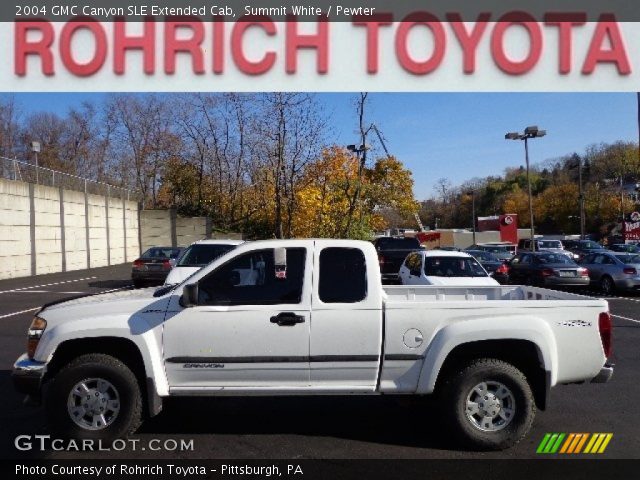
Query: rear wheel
{"points": [[489, 404], [95, 396], [606, 285]]}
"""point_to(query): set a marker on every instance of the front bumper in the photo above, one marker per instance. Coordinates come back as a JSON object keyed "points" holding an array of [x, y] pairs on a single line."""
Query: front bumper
{"points": [[28, 374], [606, 372]]}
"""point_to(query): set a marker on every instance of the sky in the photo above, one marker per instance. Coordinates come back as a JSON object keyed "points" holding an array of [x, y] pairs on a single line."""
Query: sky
{"points": [[458, 136]]}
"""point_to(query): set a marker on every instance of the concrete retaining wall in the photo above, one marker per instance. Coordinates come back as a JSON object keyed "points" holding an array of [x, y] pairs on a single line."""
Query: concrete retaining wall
{"points": [[165, 228], [48, 229]]}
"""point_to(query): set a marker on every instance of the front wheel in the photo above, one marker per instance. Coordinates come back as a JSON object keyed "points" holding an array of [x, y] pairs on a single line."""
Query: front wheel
{"points": [[95, 396], [489, 404]]}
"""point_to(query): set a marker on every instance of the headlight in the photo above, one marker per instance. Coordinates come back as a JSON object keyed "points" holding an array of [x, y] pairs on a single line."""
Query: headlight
{"points": [[36, 329]]}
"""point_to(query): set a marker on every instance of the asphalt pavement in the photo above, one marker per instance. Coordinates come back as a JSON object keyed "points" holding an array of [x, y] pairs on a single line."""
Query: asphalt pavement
{"points": [[318, 427]]}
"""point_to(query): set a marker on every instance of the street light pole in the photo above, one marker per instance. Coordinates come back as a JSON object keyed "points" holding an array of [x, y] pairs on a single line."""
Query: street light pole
{"points": [[526, 155], [581, 200], [529, 132]]}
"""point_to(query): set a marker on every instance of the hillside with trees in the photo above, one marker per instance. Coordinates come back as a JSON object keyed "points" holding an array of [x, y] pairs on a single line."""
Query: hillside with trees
{"points": [[555, 189]]}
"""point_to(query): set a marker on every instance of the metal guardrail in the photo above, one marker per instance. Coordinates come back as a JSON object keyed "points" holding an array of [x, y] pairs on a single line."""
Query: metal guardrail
{"points": [[14, 169]]}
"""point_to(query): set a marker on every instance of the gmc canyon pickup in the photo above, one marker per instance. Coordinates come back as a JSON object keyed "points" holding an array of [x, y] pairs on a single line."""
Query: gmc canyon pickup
{"points": [[311, 317]]}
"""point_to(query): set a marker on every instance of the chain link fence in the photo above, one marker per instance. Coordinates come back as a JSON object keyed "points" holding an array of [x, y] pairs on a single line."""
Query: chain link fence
{"points": [[13, 169]]}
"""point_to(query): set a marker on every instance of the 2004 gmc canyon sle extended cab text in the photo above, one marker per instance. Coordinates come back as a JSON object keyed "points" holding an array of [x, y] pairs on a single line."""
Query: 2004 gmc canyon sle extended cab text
{"points": [[311, 317]]}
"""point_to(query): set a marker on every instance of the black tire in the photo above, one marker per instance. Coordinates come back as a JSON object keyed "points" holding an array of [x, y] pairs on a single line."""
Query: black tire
{"points": [[138, 284], [92, 366], [460, 385], [607, 285]]}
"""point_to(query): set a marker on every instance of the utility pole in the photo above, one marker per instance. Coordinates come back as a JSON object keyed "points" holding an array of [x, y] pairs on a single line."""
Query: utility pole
{"points": [[473, 214], [581, 199]]}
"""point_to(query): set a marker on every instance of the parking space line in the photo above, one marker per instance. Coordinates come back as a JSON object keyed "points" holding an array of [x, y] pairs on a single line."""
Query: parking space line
{"points": [[49, 291], [625, 318], [47, 285], [20, 312]]}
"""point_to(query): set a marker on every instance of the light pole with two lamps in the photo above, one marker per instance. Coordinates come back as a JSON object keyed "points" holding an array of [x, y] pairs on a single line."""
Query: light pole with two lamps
{"points": [[529, 132]]}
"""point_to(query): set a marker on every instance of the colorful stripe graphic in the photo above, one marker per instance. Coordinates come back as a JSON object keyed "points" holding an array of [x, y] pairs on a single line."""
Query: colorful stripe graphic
{"points": [[574, 443]]}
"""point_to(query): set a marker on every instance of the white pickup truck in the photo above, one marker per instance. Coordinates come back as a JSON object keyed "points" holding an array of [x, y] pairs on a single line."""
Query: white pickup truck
{"points": [[315, 320]]}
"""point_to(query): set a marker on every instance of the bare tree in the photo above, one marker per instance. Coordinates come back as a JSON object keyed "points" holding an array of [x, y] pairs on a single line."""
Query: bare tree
{"points": [[143, 139], [290, 129]]}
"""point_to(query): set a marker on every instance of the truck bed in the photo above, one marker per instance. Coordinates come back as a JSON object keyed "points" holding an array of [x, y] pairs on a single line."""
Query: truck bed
{"points": [[564, 324], [412, 294]]}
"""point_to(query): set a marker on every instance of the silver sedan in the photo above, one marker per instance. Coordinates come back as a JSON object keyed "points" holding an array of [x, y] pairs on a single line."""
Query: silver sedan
{"points": [[613, 270]]}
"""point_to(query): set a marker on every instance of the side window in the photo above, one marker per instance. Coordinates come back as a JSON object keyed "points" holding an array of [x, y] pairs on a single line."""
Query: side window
{"points": [[250, 279], [525, 260], [343, 275]]}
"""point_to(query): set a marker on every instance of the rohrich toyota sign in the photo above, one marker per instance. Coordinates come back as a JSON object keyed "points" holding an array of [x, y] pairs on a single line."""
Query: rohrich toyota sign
{"points": [[377, 51]]}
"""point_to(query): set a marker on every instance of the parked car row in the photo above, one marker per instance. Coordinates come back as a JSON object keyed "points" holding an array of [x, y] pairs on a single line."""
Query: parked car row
{"points": [[172, 265], [403, 260]]}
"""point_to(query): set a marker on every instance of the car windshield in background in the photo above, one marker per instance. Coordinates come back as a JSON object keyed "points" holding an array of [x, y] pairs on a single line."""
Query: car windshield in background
{"points": [[591, 246], [453, 267], [483, 256], [160, 252], [629, 258], [549, 244], [496, 249], [398, 243], [201, 254], [555, 259], [625, 248]]}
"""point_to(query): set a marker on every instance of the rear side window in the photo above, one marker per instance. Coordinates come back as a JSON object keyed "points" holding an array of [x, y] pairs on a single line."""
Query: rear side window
{"points": [[343, 275]]}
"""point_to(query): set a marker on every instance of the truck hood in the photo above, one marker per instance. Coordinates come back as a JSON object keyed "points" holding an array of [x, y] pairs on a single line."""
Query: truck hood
{"points": [[180, 274], [126, 302]]}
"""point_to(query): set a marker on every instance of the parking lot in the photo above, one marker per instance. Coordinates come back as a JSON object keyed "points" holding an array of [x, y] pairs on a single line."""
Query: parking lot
{"points": [[320, 427]]}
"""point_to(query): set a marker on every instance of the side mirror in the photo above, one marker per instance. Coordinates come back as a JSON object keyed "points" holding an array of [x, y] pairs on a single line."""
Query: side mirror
{"points": [[189, 296]]}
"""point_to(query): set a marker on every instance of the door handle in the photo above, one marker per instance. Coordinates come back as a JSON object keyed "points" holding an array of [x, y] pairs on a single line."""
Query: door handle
{"points": [[287, 319]]}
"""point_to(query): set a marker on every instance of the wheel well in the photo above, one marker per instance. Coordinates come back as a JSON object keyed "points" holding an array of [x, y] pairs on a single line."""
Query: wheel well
{"points": [[124, 350], [522, 354]]}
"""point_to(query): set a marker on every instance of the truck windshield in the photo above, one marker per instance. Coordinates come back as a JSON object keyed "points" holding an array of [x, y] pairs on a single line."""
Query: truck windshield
{"points": [[201, 254], [453, 267]]}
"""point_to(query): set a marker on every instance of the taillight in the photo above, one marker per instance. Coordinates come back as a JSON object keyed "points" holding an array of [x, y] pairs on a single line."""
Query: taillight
{"points": [[630, 271], [503, 269], [584, 272], [547, 272], [166, 264], [381, 260], [604, 325], [138, 263]]}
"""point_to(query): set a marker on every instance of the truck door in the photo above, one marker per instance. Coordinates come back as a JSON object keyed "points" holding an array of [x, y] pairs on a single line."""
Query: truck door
{"points": [[250, 327], [346, 325]]}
